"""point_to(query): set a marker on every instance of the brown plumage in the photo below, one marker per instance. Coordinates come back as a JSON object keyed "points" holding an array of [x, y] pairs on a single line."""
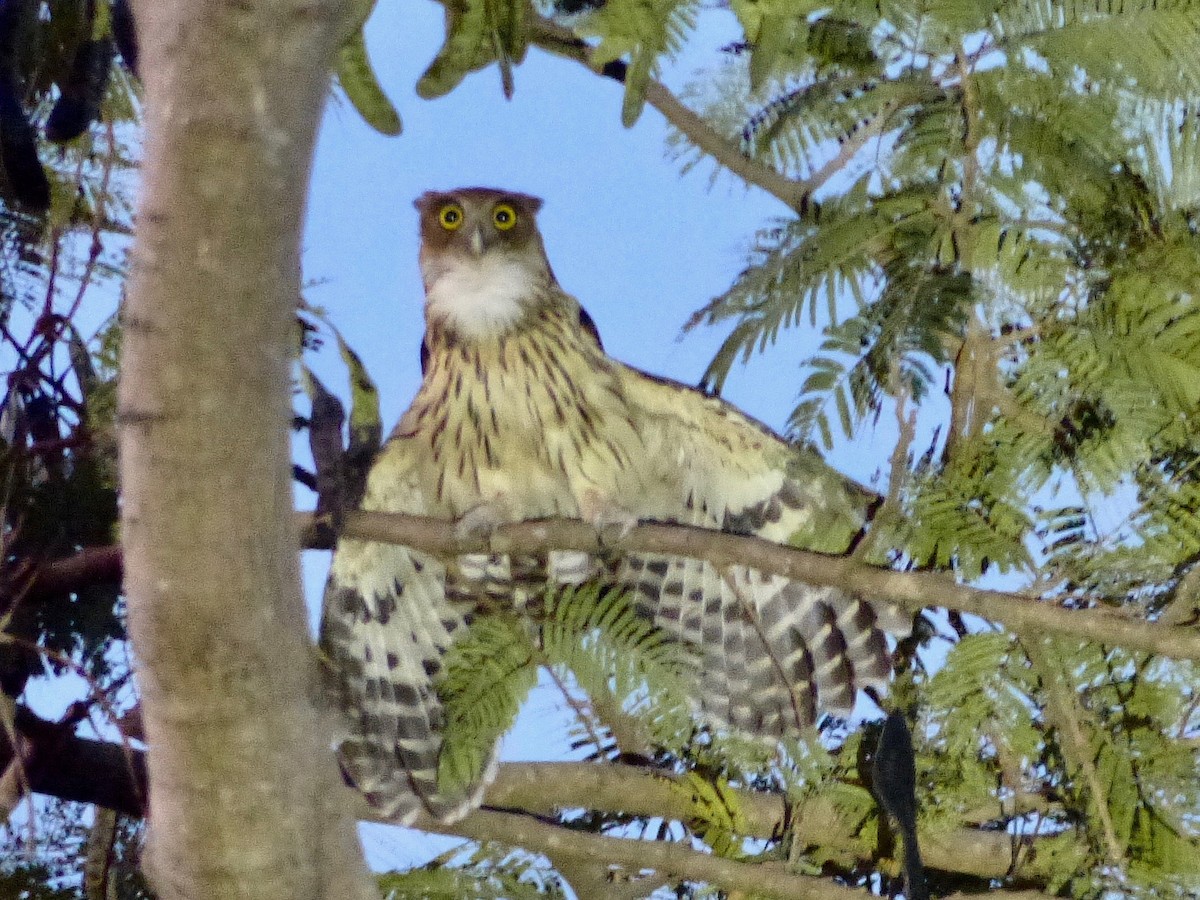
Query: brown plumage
{"points": [[522, 415]]}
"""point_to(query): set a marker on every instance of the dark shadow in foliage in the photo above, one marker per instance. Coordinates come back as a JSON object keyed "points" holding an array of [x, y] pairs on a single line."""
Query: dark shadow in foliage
{"points": [[340, 479], [125, 35], [82, 91], [70, 52], [24, 181], [60, 498]]}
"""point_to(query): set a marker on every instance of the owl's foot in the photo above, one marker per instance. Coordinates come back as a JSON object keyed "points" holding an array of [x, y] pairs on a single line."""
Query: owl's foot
{"points": [[611, 520], [480, 522]]}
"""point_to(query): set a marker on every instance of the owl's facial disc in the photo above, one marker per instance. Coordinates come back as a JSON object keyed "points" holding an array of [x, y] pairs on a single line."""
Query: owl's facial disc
{"points": [[482, 259]]}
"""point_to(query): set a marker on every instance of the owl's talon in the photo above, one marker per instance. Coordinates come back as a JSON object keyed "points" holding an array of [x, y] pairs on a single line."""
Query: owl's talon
{"points": [[611, 520], [611, 534], [612, 525], [480, 522]]}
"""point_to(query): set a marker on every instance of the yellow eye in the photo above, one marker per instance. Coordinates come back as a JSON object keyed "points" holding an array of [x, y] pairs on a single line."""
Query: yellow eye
{"points": [[451, 216], [504, 216]]}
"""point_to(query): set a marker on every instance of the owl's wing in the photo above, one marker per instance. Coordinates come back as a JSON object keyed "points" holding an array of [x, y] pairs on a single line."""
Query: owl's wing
{"points": [[387, 623], [775, 652]]}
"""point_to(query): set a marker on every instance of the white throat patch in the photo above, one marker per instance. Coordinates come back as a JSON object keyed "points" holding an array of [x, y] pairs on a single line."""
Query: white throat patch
{"points": [[481, 297]]}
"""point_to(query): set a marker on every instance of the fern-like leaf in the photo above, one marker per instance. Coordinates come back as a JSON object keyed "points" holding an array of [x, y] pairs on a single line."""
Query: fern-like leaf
{"points": [[488, 674]]}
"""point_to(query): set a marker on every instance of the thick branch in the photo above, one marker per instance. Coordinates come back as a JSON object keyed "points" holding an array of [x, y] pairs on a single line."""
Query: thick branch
{"points": [[91, 565], [816, 822], [676, 861], [74, 768], [912, 590], [60, 764]]}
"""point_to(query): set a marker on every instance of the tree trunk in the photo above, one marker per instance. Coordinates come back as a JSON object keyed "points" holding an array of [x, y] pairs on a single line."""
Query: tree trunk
{"points": [[244, 797]]}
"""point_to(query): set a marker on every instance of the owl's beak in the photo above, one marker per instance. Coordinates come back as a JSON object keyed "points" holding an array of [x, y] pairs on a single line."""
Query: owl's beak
{"points": [[477, 242]]}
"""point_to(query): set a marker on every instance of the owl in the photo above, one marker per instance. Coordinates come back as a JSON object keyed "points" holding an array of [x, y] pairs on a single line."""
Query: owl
{"points": [[522, 415]]}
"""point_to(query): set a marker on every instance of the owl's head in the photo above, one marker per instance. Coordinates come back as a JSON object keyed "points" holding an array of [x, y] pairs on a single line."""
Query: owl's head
{"points": [[474, 221], [482, 258]]}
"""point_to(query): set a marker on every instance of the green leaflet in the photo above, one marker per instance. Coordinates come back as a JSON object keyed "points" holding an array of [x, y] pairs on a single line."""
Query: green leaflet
{"points": [[483, 872], [357, 78], [963, 518], [776, 35], [641, 30], [488, 673], [843, 504], [509, 20], [777, 31], [629, 669], [1154, 39], [467, 47], [366, 426], [478, 33], [716, 813], [637, 78]]}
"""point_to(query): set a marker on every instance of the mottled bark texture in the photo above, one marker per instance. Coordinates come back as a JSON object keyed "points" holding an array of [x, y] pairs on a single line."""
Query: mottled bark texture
{"points": [[244, 796]]}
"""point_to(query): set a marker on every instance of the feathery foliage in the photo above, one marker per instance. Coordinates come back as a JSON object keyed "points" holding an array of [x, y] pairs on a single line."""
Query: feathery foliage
{"points": [[488, 673], [999, 230], [629, 670], [480, 871]]}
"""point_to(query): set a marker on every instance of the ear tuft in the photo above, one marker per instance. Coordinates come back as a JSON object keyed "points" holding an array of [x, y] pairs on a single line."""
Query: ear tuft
{"points": [[426, 200]]}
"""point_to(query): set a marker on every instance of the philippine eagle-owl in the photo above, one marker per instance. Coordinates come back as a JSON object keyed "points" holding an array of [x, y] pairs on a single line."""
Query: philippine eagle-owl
{"points": [[522, 415]]}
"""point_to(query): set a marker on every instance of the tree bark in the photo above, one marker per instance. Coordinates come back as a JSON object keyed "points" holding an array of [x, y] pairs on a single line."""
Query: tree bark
{"points": [[245, 801]]}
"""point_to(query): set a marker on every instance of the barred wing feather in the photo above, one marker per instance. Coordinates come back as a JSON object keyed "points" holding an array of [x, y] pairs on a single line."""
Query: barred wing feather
{"points": [[387, 624], [775, 652]]}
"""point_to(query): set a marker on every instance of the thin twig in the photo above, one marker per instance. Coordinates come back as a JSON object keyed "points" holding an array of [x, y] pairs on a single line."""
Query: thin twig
{"points": [[1063, 710], [891, 510], [858, 138], [816, 821], [98, 218], [580, 708], [970, 137], [560, 40]]}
